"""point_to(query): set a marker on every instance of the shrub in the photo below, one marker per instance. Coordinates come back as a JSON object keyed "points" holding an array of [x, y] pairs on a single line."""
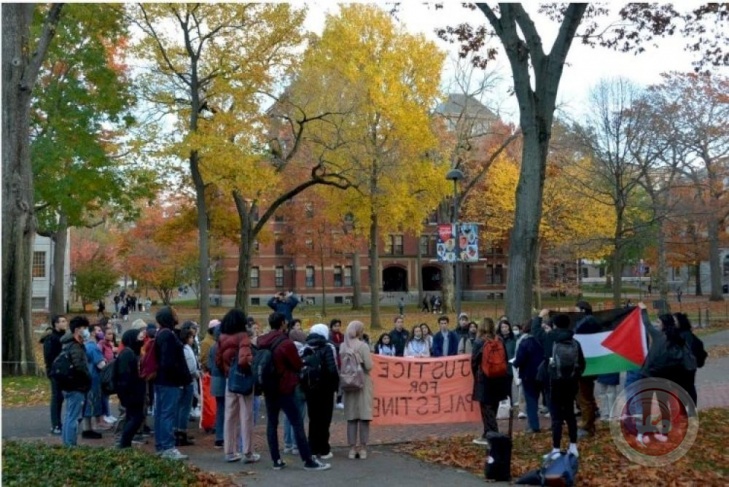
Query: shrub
{"points": [[33, 463]]}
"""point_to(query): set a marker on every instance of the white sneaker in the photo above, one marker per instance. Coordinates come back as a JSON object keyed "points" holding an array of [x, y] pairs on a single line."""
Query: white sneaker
{"points": [[327, 456], [555, 453], [480, 441], [173, 454], [522, 416], [195, 413], [110, 419], [573, 450], [251, 458], [315, 464]]}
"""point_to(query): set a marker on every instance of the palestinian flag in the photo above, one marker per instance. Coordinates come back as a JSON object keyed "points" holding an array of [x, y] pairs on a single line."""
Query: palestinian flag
{"points": [[612, 340]]}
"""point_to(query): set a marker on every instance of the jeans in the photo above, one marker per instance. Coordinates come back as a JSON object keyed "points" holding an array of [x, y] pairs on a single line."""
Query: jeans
{"points": [[219, 417], [562, 409], [56, 403], [287, 403], [184, 407], [256, 409], [105, 409], [166, 401], [320, 407], [74, 408], [531, 396], [288, 429], [134, 417]]}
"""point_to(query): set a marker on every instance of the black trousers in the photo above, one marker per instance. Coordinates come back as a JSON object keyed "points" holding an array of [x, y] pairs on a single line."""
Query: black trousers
{"points": [[488, 416], [320, 407], [562, 396], [56, 403], [134, 412]]}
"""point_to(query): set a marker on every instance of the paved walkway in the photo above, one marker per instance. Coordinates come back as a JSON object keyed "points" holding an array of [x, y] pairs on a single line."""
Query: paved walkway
{"points": [[383, 467]]}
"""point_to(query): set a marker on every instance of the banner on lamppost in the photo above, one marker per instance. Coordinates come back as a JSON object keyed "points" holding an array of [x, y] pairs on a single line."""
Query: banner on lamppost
{"points": [[467, 242]]}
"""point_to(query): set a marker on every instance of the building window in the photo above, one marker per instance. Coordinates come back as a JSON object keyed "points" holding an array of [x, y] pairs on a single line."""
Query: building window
{"points": [[338, 276], [309, 210], [489, 274], [348, 276], [499, 274], [397, 245], [279, 274], [255, 277], [309, 244], [278, 218], [310, 281], [256, 246], [279, 247], [584, 272], [39, 264], [424, 240], [601, 271]]}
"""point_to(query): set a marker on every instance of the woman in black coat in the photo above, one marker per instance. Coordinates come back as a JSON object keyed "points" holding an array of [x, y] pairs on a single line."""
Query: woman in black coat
{"points": [[487, 391], [130, 388]]}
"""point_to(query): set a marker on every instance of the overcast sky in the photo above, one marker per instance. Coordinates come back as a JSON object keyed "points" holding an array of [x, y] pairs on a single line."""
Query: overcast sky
{"points": [[585, 65]]}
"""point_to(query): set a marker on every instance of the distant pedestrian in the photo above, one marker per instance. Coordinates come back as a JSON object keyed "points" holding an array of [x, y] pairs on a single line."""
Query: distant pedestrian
{"points": [[401, 306], [426, 304]]}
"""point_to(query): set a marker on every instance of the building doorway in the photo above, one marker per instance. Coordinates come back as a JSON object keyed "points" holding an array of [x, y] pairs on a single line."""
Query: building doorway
{"points": [[394, 279], [431, 278]]}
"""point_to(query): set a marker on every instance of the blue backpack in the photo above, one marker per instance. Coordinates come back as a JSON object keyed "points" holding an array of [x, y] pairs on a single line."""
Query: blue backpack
{"points": [[561, 470]]}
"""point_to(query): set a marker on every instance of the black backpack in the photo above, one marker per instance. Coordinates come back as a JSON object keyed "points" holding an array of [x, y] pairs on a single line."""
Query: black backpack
{"points": [[63, 371], [108, 378], [265, 378], [565, 363], [313, 374]]}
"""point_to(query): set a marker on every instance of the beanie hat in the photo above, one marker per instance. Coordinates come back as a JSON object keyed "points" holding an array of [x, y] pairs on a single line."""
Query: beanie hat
{"points": [[151, 330], [561, 321], [139, 324], [166, 317], [321, 330], [462, 315], [584, 306]]}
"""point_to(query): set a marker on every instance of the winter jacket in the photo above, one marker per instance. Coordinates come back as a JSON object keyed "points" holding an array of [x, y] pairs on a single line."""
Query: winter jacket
{"points": [[529, 355], [77, 354], [172, 368], [417, 348], [217, 378], [107, 350], [286, 360], [51, 347], [331, 370], [130, 388], [696, 346], [386, 350], [509, 341], [438, 344], [285, 306], [205, 347], [465, 344], [230, 346], [563, 335], [399, 339], [191, 362]]}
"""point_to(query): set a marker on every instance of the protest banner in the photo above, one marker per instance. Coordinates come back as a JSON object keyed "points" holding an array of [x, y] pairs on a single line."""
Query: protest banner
{"points": [[423, 390]]}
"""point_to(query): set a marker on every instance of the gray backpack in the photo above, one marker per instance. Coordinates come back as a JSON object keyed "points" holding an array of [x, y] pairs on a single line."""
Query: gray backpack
{"points": [[565, 362]]}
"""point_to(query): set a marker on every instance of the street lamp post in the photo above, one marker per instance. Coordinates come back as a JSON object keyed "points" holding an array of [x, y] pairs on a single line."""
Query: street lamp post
{"points": [[456, 175]]}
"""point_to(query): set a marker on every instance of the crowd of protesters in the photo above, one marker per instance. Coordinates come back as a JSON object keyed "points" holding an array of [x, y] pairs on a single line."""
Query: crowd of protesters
{"points": [[173, 395]]}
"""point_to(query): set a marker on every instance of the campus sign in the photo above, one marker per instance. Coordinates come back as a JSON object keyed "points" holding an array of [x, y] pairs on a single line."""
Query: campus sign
{"points": [[423, 390]]}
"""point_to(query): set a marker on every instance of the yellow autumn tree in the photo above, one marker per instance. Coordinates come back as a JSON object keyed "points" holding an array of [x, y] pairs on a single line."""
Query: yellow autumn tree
{"points": [[378, 83], [581, 227]]}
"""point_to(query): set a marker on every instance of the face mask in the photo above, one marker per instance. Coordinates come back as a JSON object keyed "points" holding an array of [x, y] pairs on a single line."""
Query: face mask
{"points": [[85, 334], [100, 336], [516, 332]]}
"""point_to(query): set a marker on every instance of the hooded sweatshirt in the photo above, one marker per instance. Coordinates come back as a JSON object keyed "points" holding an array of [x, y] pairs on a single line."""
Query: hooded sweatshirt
{"points": [[172, 370], [77, 354], [131, 388], [320, 344], [51, 347]]}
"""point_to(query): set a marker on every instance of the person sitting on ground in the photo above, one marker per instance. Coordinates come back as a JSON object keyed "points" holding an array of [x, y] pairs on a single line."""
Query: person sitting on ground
{"points": [[384, 347], [416, 345]]}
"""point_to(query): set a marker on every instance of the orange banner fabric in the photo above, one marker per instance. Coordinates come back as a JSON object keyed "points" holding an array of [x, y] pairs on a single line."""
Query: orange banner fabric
{"points": [[423, 390]]}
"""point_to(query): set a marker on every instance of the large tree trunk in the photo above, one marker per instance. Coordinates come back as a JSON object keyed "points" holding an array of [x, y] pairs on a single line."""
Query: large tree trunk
{"points": [[447, 275], [57, 306], [617, 265], [698, 289], [374, 272], [419, 272], [20, 65], [524, 236], [538, 278], [714, 261], [659, 277], [202, 228], [356, 281], [242, 287], [536, 111]]}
